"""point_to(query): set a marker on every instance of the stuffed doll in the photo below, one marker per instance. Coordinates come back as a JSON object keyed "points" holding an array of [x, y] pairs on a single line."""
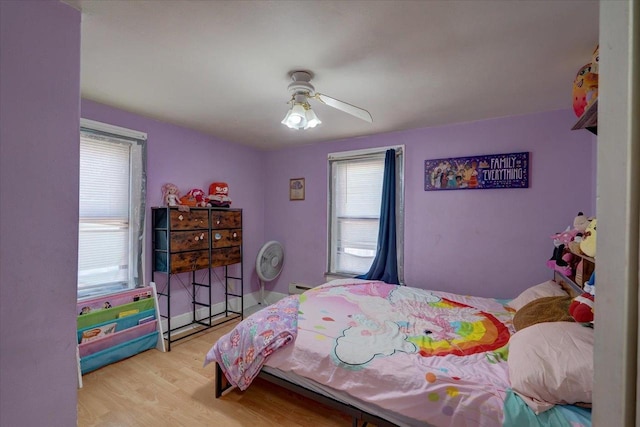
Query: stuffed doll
{"points": [[219, 194], [581, 308], [194, 198], [170, 195]]}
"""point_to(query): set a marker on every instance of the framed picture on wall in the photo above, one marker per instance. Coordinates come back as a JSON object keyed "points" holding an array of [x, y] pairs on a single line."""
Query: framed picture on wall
{"points": [[296, 189], [509, 170]]}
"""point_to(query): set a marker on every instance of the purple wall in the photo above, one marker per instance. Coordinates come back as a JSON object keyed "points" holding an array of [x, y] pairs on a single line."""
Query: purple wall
{"points": [[490, 242], [191, 159], [483, 242], [39, 113]]}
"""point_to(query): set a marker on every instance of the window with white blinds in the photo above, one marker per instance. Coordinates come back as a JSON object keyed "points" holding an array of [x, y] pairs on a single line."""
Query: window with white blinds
{"points": [[355, 194], [111, 212]]}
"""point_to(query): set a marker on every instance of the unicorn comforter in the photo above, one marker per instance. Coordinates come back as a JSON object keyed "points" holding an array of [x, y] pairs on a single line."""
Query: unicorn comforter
{"points": [[436, 358]]}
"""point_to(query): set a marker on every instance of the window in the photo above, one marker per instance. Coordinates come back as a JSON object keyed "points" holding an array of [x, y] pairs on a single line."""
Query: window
{"points": [[112, 206], [355, 194]]}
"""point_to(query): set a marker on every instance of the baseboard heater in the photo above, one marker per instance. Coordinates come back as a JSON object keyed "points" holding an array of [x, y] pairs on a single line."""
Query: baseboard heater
{"points": [[298, 288]]}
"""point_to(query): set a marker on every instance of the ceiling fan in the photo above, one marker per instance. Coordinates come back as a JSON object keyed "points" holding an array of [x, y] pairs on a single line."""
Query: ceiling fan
{"points": [[301, 116]]}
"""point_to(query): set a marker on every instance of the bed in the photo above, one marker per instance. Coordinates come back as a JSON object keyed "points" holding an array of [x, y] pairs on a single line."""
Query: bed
{"points": [[397, 355]]}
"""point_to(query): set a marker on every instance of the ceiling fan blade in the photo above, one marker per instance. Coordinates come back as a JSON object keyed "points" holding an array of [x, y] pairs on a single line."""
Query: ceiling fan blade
{"points": [[343, 106]]}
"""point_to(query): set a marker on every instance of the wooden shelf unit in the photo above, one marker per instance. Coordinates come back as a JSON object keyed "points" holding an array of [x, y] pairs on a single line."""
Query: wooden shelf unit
{"points": [[582, 267], [197, 241]]}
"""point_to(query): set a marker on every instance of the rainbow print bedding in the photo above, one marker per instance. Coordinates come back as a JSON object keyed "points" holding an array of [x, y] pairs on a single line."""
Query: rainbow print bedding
{"points": [[436, 358]]}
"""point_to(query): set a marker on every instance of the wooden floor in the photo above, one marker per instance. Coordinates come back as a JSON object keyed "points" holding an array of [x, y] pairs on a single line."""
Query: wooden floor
{"points": [[173, 389]]}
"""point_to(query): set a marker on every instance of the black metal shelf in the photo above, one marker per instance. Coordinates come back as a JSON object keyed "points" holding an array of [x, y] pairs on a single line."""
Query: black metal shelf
{"points": [[162, 269]]}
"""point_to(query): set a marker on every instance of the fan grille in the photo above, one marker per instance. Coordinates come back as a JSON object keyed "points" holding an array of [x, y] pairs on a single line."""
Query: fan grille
{"points": [[270, 260]]}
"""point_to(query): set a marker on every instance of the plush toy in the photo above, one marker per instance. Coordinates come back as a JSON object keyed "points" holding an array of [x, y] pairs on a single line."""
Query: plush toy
{"points": [[194, 198], [565, 237], [560, 261], [580, 223], [590, 285], [585, 85], [581, 308], [592, 89], [595, 60], [588, 243], [219, 194], [170, 195]]}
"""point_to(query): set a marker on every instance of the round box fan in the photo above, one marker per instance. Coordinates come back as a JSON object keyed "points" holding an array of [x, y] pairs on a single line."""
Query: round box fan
{"points": [[269, 264]]}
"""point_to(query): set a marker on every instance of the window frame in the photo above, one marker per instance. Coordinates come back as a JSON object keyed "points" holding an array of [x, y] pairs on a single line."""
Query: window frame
{"points": [[137, 204], [400, 167]]}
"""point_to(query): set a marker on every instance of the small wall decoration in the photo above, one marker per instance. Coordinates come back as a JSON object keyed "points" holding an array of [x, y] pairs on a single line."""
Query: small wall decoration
{"points": [[509, 170], [296, 189]]}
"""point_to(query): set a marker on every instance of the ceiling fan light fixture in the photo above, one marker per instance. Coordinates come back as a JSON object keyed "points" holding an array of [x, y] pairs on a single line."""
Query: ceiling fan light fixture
{"points": [[300, 116], [312, 119]]}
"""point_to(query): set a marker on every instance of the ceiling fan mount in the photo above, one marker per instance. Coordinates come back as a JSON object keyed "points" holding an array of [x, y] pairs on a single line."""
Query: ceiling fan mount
{"points": [[300, 82], [301, 116]]}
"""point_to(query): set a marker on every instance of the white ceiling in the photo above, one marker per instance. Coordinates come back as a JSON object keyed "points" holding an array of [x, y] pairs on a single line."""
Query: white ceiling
{"points": [[221, 67]]}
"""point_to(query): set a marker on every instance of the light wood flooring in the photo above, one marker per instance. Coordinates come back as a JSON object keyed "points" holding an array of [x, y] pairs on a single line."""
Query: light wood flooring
{"points": [[173, 389]]}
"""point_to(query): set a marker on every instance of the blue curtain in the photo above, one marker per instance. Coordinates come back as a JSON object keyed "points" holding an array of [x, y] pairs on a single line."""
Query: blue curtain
{"points": [[385, 264]]}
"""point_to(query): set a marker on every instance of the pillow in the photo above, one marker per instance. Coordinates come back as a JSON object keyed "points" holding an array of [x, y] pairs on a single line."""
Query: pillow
{"points": [[545, 289], [545, 309], [552, 363]]}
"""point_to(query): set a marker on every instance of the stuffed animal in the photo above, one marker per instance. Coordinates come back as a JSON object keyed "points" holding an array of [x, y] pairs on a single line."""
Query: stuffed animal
{"points": [[560, 261], [595, 60], [588, 243], [590, 285], [170, 195], [581, 308], [592, 89], [585, 89], [580, 223], [194, 198], [565, 237], [219, 194]]}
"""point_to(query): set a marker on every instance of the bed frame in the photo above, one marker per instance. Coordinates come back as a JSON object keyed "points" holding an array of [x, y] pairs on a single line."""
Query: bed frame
{"points": [[358, 416]]}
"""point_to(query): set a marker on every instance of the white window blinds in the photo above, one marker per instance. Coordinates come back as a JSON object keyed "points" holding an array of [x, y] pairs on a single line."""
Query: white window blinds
{"points": [[355, 194], [111, 213]]}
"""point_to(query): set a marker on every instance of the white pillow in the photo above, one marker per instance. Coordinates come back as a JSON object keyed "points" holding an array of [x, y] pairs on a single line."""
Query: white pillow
{"points": [[544, 289], [552, 363]]}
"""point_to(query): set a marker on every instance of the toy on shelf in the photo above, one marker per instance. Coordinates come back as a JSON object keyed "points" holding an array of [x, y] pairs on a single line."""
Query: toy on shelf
{"points": [[219, 194], [194, 198], [581, 308], [569, 239], [561, 260], [588, 243], [580, 224], [585, 85], [590, 285], [170, 195]]}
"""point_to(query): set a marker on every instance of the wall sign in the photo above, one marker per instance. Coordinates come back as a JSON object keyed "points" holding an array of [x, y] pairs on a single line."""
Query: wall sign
{"points": [[509, 170]]}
